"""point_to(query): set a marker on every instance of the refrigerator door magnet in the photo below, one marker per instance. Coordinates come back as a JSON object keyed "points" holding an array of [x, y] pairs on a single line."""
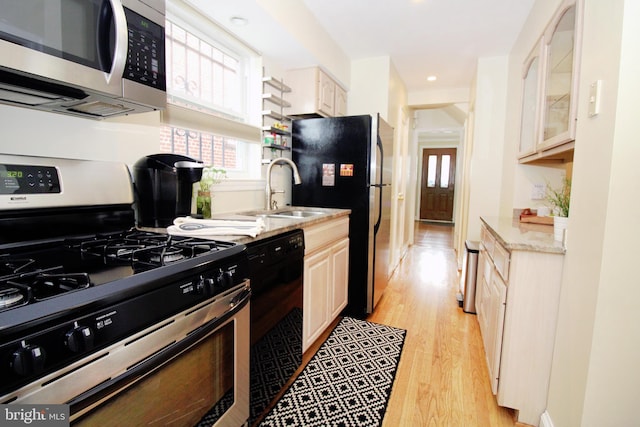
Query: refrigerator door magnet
{"points": [[346, 169], [328, 175]]}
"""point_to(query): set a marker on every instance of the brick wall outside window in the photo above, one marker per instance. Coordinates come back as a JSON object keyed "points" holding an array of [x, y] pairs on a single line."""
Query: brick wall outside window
{"points": [[213, 150]]}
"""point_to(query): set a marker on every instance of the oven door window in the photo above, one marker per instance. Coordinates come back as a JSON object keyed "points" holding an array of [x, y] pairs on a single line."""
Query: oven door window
{"points": [[195, 388]]}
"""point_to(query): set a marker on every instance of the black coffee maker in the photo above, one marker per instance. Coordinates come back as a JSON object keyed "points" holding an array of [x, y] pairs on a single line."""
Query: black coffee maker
{"points": [[164, 186]]}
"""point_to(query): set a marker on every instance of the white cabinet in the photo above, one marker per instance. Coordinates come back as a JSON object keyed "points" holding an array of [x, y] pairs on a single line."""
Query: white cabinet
{"points": [[314, 92], [550, 88], [491, 297], [341, 102], [326, 276], [531, 102], [517, 301], [561, 79]]}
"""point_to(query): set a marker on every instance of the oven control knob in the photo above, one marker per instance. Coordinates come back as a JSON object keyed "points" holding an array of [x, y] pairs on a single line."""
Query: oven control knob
{"points": [[79, 339], [225, 279], [28, 359], [205, 286]]}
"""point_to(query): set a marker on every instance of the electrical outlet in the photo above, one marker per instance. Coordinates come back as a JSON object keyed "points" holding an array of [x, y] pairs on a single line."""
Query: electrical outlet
{"points": [[538, 191]]}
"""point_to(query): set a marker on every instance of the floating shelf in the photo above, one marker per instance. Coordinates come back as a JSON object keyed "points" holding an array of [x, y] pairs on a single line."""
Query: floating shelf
{"points": [[274, 115], [276, 100], [277, 131], [277, 147], [276, 84]]}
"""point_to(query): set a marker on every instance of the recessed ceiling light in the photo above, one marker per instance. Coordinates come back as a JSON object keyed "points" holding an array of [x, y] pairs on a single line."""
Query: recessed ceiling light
{"points": [[432, 78], [238, 21]]}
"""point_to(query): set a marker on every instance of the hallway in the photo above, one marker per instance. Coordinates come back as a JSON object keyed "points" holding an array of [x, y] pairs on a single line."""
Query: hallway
{"points": [[442, 378]]}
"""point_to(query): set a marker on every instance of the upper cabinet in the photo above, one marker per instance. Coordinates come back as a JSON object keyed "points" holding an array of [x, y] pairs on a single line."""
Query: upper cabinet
{"points": [[561, 80], [314, 93], [549, 111], [531, 102]]}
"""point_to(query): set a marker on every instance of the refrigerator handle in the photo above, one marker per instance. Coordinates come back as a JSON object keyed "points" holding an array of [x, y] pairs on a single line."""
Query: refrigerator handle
{"points": [[379, 185]]}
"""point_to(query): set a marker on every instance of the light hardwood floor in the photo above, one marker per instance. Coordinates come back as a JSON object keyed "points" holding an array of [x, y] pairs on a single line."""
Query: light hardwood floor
{"points": [[442, 378]]}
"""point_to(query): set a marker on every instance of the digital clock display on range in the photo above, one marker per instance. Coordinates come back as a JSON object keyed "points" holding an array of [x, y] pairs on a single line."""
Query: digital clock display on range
{"points": [[10, 174], [28, 179]]}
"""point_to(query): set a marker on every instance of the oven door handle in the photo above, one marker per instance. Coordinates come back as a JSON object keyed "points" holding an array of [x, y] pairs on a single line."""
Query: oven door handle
{"points": [[157, 359]]}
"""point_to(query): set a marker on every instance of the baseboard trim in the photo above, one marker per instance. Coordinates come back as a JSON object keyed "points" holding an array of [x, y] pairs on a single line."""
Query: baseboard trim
{"points": [[545, 420]]}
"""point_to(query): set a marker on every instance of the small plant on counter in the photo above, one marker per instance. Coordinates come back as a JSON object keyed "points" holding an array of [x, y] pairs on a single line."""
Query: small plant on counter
{"points": [[559, 198], [210, 177]]}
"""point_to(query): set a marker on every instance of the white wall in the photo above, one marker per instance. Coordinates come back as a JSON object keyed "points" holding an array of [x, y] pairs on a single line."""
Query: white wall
{"points": [[369, 87], [595, 372], [296, 18], [38, 133], [435, 97], [485, 171], [594, 375], [377, 88]]}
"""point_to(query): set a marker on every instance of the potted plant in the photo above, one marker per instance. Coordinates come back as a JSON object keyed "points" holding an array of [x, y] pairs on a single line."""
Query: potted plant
{"points": [[559, 199], [210, 177]]}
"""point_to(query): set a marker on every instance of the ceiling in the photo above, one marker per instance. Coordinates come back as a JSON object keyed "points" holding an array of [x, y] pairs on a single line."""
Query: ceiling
{"points": [[422, 37]]}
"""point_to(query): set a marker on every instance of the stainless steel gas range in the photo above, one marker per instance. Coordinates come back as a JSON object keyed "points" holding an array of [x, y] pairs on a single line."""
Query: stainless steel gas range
{"points": [[127, 327]]}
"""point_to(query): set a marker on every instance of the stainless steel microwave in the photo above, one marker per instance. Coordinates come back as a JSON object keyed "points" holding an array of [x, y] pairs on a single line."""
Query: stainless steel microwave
{"points": [[89, 58]]}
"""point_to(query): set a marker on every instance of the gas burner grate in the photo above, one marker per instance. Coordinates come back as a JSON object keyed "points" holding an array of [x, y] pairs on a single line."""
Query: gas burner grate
{"points": [[45, 284], [143, 249], [10, 266]]}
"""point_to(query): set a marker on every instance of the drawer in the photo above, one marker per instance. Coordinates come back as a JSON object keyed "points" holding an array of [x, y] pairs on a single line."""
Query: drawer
{"points": [[487, 270], [487, 239], [501, 260], [318, 236]]}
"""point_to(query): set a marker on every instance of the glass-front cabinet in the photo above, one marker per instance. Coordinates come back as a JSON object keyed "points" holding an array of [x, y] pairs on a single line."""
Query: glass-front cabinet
{"points": [[560, 85], [550, 80], [531, 102]]}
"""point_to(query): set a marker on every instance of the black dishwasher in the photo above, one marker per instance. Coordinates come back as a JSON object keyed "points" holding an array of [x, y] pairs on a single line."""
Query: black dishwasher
{"points": [[276, 267]]}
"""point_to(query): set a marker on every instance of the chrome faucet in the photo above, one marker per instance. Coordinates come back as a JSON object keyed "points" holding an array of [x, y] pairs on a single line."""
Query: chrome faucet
{"points": [[296, 178]]}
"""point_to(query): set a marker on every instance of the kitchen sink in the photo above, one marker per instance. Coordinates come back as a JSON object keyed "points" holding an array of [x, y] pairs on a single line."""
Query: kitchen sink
{"points": [[294, 214]]}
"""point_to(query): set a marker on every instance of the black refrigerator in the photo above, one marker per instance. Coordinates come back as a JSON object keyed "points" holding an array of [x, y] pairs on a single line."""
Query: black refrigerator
{"points": [[346, 162]]}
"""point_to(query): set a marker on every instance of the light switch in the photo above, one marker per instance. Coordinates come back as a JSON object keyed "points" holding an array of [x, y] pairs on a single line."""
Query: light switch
{"points": [[594, 98]]}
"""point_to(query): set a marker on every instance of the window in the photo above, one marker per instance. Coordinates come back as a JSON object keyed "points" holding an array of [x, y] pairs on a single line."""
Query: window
{"points": [[444, 171], [201, 76], [431, 171], [212, 94], [213, 150]]}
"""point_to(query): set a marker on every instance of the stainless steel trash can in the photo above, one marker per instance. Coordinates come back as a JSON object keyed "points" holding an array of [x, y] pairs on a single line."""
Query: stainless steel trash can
{"points": [[470, 274]]}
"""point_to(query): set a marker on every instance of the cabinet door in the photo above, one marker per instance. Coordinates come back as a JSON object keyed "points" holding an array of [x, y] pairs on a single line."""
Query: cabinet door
{"points": [[317, 276], [482, 266], [326, 94], [561, 77], [531, 102], [484, 309], [497, 297], [339, 286], [341, 102]]}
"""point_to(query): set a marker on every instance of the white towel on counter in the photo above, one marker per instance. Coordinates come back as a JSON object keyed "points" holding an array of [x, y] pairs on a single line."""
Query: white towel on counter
{"points": [[193, 227]]}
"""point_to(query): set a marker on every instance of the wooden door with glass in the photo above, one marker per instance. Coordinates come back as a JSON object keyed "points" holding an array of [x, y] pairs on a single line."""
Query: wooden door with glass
{"points": [[437, 184]]}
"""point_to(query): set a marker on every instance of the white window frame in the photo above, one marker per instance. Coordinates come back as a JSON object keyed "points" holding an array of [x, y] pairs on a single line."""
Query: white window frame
{"points": [[245, 129]]}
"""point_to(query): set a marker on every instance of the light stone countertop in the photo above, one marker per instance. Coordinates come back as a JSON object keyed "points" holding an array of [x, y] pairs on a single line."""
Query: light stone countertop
{"points": [[273, 226], [516, 236]]}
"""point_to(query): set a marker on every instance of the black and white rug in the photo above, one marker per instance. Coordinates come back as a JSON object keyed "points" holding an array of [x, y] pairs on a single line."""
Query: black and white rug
{"points": [[347, 382], [274, 359]]}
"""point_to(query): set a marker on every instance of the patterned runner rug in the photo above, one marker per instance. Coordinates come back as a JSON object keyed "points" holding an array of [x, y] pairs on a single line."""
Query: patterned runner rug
{"points": [[347, 382]]}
